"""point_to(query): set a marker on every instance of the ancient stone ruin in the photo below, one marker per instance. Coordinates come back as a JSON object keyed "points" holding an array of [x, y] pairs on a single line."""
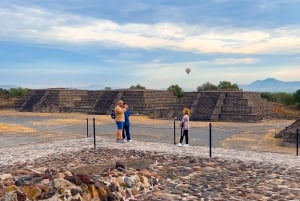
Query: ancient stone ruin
{"points": [[208, 105], [289, 134]]}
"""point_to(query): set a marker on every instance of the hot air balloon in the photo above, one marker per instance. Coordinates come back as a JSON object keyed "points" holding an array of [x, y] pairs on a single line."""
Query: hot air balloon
{"points": [[188, 70]]}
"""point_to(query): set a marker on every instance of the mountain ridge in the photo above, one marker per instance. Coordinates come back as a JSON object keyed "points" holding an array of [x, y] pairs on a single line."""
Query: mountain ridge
{"points": [[266, 85], [272, 85]]}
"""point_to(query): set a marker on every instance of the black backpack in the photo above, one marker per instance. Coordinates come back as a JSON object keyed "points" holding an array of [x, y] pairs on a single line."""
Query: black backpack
{"points": [[113, 114]]}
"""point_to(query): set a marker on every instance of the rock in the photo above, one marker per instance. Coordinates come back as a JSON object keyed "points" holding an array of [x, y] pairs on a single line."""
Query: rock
{"points": [[120, 165], [31, 191], [84, 178]]}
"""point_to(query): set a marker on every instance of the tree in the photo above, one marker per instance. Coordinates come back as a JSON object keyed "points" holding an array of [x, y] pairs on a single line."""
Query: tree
{"points": [[13, 92], [177, 90], [4, 93], [297, 98], [207, 87], [287, 98], [107, 88], [226, 85], [280, 97], [17, 92], [138, 86]]}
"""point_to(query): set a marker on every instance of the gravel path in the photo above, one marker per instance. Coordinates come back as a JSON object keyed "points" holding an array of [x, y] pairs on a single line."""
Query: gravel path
{"points": [[23, 153]]}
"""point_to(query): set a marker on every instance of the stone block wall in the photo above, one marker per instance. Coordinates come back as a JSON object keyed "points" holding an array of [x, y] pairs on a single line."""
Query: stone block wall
{"points": [[241, 106]]}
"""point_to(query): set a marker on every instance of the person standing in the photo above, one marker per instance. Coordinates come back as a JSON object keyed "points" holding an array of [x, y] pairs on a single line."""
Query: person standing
{"points": [[120, 109], [126, 128], [185, 127]]}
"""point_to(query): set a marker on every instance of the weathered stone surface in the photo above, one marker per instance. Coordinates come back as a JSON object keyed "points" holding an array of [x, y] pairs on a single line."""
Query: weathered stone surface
{"points": [[59, 185], [32, 192], [171, 177], [289, 134]]}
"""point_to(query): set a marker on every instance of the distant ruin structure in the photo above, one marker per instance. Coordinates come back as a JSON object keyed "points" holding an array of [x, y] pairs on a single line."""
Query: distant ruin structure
{"points": [[208, 105], [289, 134]]}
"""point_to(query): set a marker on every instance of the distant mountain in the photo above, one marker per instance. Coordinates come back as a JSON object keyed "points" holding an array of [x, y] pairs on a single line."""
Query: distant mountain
{"points": [[8, 86], [272, 85]]}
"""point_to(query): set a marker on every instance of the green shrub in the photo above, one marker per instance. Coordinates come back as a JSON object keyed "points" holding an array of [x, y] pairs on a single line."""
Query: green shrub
{"points": [[13, 92], [177, 90]]}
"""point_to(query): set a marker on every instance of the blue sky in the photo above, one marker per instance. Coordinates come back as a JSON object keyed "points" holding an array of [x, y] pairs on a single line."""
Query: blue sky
{"points": [[120, 43]]}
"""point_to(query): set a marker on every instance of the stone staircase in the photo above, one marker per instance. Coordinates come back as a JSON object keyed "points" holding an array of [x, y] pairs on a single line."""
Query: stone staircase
{"points": [[106, 101], [27, 102], [203, 106]]}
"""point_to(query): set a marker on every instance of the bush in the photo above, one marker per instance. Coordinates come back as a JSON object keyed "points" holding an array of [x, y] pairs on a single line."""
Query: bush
{"points": [[280, 97], [297, 98], [207, 87], [138, 86], [13, 92], [177, 90]]}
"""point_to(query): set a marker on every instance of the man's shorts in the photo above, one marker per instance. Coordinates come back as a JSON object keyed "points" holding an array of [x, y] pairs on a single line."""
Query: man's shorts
{"points": [[120, 125]]}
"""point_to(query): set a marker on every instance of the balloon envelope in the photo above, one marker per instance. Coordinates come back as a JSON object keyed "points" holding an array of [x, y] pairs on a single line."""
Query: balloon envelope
{"points": [[187, 70]]}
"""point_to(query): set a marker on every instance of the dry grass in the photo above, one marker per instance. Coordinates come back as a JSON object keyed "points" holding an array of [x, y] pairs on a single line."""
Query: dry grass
{"points": [[14, 128], [286, 112]]}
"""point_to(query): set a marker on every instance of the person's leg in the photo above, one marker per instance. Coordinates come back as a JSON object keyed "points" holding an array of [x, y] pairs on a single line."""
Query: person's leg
{"points": [[127, 129], [181, 136], [120, 130], [186, 133], [123, 133], [119, 135]]}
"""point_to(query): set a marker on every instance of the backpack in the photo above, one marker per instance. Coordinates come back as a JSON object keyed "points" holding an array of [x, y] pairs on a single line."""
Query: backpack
{"points": [[113, 114]]}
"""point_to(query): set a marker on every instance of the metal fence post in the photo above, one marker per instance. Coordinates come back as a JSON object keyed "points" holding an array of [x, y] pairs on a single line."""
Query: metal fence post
{"points": [[297, 141], [175, 118], [87, 127], [94, 133], [210, 140]]}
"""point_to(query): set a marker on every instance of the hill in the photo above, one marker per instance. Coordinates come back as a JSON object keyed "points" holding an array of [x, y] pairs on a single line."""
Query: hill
{"points": [[8, 87], [272, 85]]}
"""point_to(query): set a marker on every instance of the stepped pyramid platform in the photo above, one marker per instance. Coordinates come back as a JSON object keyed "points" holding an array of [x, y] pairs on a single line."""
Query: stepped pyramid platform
{"points": [[208, 106]]}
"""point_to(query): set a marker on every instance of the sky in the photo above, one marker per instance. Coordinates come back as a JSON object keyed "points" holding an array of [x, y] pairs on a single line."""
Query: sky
{"points": [[121, 43]]}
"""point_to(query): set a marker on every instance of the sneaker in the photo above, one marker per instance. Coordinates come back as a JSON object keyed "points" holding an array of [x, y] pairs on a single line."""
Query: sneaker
{"points": [[186, 145], [179, 144], [129, 140], [121, 141]]}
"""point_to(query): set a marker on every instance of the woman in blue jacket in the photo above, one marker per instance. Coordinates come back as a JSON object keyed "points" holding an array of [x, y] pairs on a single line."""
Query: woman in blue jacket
{"points": [[126, 128]]}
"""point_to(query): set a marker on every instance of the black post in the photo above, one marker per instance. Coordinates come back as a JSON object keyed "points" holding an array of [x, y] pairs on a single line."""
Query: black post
{"points": [[297, 141], [210, 141], [174, 130], [87, 127], [94, 133]]}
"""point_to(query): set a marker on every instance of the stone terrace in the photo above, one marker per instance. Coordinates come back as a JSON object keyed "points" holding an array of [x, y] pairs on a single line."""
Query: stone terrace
{"points": [[208, 105]]}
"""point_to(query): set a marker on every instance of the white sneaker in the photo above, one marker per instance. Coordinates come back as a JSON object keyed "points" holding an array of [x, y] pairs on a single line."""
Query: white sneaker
{"points": [[186, 145], [129, 140], [179, 144]]}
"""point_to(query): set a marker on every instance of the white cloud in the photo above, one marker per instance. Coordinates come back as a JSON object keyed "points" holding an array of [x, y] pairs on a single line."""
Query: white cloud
{"points": [[44, 26], [227, 61]]}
